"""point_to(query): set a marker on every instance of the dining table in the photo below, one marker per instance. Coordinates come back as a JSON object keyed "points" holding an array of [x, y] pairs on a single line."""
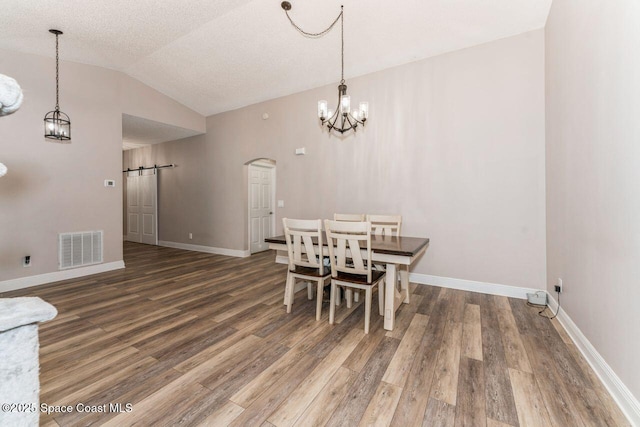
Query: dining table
{"points": [[394, 252]]}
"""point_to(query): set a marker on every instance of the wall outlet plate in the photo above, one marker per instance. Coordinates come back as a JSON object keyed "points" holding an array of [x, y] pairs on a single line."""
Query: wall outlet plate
{"points": [[539, 298]]}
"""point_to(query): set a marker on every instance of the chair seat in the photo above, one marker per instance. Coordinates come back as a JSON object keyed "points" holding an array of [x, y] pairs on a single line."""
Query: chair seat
{"points": [[311, 272], [360, 279]]}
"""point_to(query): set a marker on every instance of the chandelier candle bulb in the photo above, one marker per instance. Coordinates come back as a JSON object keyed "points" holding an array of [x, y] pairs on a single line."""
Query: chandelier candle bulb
{"points": [[364, 110], [322, 109], [345, 104]]}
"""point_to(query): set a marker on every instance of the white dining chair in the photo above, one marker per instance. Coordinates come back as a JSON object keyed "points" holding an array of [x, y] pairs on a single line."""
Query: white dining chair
{"points": [[348, 217], [385, 225], [348, 241], [305, 259]]}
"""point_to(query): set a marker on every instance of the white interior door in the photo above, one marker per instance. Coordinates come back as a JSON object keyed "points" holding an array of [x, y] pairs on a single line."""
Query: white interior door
{"points": [[260, 207], [142, 208]]}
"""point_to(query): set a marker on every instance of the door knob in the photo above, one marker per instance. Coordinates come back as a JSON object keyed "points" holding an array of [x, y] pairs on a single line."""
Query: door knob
{"points": [[270, 213]]}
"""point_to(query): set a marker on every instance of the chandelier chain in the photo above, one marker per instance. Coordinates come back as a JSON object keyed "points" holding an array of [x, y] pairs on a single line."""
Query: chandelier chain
{"points": [[342, 43], [57, 74], [313, 35]]}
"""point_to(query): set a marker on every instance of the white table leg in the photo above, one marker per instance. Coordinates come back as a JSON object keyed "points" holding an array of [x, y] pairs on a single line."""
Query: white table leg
{"points": [[389, 298], [404, 282]]}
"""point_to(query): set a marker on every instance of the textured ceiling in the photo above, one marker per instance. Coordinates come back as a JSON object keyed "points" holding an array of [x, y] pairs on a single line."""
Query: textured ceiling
{"points": [[218, 55], [138, 132]]}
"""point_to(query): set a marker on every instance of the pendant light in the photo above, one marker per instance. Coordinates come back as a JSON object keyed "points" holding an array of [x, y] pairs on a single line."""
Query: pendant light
{"points": [[57, 125]]}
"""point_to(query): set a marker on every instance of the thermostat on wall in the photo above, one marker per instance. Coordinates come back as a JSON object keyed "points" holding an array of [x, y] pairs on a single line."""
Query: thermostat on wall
{"points": [[109, 182], [300, 151]]}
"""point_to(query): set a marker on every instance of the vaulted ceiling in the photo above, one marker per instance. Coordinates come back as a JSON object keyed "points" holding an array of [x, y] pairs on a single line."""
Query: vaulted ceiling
{"points": [[218, 55]]}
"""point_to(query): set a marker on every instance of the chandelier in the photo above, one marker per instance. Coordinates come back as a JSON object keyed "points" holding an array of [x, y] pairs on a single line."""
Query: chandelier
{"points": [[56, 123], [343, 119]]}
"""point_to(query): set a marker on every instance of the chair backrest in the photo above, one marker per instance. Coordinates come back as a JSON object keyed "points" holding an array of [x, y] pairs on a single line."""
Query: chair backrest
{"points": [[299, 234], [347, 241], [385, 225], [348, 217]]}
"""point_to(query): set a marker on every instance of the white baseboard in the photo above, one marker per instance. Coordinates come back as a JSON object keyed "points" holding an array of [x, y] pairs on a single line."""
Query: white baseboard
{"points": [[208, 249], [471, 285], [620, 393], [56, 276]]}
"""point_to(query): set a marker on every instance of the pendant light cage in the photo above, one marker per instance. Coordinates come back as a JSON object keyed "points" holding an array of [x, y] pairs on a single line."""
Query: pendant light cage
{"points": [[57, 124]]}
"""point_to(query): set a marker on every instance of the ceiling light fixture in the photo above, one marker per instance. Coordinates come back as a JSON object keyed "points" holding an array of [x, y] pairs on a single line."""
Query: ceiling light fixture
{"points": [[56, 123], [343, 119]]}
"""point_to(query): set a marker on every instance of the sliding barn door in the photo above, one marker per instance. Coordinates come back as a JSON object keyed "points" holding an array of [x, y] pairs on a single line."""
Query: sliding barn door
{"points": [[142, 208]]}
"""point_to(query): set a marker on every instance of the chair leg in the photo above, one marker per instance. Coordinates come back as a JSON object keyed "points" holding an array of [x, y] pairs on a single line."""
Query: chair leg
{"points": [[288, 292], [356, 296], [367, 309], [332, 300], [349, 293], [381, 297], [319, 290], [338, 296]]}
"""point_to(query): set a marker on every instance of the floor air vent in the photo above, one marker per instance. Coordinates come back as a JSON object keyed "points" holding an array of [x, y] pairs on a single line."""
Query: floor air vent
{"points": [[78, 249]]}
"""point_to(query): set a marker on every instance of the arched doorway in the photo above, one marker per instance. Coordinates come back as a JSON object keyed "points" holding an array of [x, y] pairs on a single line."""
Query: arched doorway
{"points": [[262, 200]]}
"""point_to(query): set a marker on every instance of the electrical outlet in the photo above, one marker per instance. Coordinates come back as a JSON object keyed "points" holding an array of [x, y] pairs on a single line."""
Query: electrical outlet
{"points": [[559, 286], [26, 261], [190, 236]]}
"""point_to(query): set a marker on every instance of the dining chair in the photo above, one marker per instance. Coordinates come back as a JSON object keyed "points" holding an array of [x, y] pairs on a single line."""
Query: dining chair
{"points": [[348, 217], [385, 225], [350, 257], [305, 259]]}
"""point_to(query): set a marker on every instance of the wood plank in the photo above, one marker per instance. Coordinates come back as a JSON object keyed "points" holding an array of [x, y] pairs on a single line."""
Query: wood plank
{"points": [[297, 402], [320, 410], [223, 416], [439, 414], [415, 396], [398, 370], [267, 402], [558, 403], [531, 408], [355, 403], [445, 379], [500, 404], [472, 332], [514, 350], [470, 407], [382, 406]]}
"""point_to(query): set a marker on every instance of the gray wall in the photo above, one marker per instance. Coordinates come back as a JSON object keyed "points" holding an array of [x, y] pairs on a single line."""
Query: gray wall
{"points": [[56, 188], [454, 143], [593, 171]]}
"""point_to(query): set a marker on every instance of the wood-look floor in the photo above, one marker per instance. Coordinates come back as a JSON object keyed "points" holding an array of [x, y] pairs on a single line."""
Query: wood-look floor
{"points": [[199, 339]]}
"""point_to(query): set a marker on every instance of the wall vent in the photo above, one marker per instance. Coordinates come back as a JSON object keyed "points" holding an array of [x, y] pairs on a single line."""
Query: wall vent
{"points": [[78, 249]]}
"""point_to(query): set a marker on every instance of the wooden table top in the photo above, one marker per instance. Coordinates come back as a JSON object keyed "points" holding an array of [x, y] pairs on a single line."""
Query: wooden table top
{"points": [[403, 245]]}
